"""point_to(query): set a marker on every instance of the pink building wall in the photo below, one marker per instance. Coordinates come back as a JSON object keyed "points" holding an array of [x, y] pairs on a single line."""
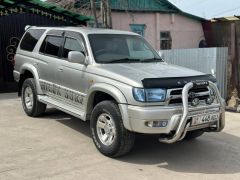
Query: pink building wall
{"points": [[185, 32]]}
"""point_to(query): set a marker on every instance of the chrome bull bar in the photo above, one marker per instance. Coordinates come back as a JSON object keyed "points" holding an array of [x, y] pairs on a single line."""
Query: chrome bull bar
{"points": [[184, 124]]}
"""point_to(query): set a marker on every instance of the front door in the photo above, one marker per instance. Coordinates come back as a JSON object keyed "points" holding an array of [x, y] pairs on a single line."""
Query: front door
{"points": [[72, 75]]}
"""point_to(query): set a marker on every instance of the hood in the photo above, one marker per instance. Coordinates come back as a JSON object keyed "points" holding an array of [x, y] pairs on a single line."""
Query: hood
{"points": [[134, 73]]}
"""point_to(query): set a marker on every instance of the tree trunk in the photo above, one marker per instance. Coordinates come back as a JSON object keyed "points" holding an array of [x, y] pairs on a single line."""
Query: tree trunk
{"points": [[93, 8], [109, 14]]}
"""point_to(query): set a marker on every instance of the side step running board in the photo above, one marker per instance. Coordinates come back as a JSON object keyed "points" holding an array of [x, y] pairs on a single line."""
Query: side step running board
{"points": [[63, 107]]}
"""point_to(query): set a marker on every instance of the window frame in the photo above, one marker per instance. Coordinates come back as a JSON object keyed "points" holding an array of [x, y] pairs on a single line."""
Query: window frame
{"points": [[169, 39], [60, 47], [63, 34], [136, 28], [22, 40], [64, 41]]}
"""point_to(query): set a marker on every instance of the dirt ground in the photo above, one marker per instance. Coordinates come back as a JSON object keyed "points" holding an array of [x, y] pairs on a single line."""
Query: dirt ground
{"points": [[59, 146]]}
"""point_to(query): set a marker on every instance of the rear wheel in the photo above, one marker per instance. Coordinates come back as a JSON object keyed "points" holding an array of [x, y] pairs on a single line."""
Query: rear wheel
{"points": [[193, 134], [31, 105], [108, 132]]}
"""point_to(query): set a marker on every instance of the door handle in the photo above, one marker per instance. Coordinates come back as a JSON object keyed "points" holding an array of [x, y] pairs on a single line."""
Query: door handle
{"points": [[60, 69]]}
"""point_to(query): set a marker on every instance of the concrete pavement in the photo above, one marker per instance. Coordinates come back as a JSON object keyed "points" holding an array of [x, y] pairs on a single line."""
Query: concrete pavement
{"points": [[59, 146]]}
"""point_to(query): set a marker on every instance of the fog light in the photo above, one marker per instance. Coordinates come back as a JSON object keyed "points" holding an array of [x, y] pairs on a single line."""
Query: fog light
{"points": [[157, 123], [209, 100], [195, 102]]}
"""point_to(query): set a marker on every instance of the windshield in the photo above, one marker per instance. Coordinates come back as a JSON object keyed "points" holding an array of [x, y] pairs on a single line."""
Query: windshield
{"points": [[118, 48]]}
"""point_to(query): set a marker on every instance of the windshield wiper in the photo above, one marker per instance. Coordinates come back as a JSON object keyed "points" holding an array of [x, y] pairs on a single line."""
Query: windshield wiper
{"points": [[152, 60], [123, 60]]}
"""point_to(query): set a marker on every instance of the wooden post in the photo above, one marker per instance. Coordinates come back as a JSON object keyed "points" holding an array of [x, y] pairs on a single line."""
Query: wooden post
{"points": [[102, 11], [233, 102]]}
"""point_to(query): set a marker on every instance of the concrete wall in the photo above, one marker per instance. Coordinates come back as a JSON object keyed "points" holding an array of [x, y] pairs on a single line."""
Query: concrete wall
{"points": [[185, 32]]}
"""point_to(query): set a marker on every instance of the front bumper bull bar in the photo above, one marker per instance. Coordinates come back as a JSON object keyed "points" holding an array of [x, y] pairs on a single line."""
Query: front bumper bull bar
{"points": [[184, 124]]}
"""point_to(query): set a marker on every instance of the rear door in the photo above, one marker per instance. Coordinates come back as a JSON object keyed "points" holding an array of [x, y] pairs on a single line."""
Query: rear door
{"points": [[49, 59]]}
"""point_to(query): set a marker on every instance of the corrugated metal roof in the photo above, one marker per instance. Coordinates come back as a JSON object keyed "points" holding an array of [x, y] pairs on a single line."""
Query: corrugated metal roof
{"points": [[143, 5], [229, 18], [163, 6]]}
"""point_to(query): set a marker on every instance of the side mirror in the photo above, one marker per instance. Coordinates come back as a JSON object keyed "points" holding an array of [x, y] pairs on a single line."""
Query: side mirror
{"points": [[76, 57]]}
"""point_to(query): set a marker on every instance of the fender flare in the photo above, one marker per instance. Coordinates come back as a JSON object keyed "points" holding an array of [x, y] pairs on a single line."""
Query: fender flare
{"points": [[115, 93], [33, 70], [108, 89]]}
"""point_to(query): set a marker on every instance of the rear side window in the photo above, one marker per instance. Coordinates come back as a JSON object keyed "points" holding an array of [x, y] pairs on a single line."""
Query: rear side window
{"points": [[30, 39], [51, 45]]}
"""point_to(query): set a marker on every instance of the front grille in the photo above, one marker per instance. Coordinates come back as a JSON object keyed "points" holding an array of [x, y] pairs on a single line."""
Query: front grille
{"points": [[175, 95], [179, 91], [179, 100]]}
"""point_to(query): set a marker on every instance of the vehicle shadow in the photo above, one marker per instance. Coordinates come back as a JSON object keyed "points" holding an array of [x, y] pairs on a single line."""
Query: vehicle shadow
{"points": [[210, 154], [213, 153], [68, 120]]}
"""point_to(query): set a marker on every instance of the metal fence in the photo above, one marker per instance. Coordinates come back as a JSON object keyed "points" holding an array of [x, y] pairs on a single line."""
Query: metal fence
{"points": [[207, 60]]}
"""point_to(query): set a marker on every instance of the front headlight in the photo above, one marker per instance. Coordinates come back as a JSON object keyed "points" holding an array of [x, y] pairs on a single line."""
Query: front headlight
{"points": [[149, 95]]}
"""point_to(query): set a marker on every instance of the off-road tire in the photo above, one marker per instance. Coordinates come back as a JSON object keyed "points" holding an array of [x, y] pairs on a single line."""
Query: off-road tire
{"points": [[124, 139], [38, 108], [193, 134]]}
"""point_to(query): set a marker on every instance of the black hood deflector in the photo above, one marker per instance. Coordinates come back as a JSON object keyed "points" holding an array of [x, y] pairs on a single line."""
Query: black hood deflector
{"points": [[174, 82]]}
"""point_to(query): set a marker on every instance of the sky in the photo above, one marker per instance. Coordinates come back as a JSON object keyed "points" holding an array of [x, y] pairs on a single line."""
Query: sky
{"points": [[209, 8]]}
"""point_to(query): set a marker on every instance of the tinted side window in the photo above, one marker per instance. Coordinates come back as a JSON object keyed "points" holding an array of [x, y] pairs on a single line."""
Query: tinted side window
{"points": [[30, 39], [51, 45], [71, 45]]}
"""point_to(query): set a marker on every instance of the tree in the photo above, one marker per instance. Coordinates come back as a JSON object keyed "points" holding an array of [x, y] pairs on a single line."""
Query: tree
{"points": [[106, 13], [90, 7]]}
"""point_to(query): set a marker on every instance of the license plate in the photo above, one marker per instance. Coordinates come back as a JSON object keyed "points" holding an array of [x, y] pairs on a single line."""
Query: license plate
{"points": [[202, 119]]}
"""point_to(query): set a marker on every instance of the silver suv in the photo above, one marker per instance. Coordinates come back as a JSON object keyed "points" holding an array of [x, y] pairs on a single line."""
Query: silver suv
{"points": [[119, 82]]}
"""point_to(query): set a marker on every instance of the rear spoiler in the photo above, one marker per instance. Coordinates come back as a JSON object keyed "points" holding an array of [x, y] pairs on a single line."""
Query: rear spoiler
{"points": [[27, 27]]}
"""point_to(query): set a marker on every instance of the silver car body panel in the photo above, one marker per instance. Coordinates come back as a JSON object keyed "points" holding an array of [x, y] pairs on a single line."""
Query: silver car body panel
{"points": [[71, 87]]}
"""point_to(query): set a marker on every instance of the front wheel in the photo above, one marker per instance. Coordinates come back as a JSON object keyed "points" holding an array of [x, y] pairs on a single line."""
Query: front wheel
{"points": [[108, 132]]}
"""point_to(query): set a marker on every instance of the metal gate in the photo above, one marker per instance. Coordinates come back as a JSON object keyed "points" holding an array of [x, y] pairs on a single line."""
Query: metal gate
{"points": [[11, 29], [207, 60]]}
